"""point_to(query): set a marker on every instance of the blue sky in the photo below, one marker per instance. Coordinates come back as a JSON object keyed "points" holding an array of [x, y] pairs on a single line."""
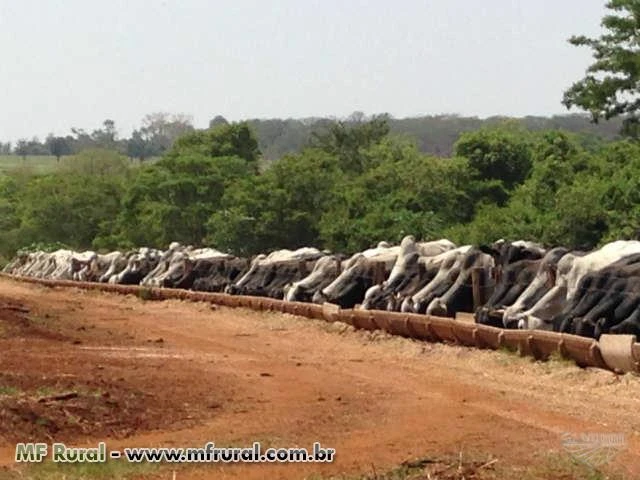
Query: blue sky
{"points": [[77, 62]]}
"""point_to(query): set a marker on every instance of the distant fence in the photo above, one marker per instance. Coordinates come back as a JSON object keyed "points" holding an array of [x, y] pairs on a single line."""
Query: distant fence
{"points": [[619, 353]]}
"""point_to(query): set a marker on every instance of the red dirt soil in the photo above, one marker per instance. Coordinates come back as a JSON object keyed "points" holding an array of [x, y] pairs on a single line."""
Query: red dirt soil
{"points": [[181, 374]]}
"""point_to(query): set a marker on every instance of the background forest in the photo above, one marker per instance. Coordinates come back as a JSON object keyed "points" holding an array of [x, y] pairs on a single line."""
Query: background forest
{"points": [[347, 185]]}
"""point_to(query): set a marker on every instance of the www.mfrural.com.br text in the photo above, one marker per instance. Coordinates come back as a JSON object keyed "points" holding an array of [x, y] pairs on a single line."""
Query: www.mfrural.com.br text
{"points": [[209, 453]]}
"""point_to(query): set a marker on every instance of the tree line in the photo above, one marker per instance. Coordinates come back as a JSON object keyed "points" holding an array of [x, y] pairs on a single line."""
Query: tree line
{"points": [[351, 186], [154, 137], [435, 135]]}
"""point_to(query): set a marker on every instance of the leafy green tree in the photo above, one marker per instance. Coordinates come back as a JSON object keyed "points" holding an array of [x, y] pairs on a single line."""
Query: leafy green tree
{"points": [[9, 190], [580, 218], [217, 120], [172, 199], [499, 160], [161, 129], [347, 139], [139, 146], [225, 140], [22, 148], [106, 136], [610, 86], [66, 208], [403, 193], [96, 162], [58, 146], [557, 159], [279, 209], [81, 140]]}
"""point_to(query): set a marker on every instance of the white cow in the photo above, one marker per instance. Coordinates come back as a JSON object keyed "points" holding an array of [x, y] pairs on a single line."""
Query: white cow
{"points": [[404, 276], [262, 262], [350, 286], [446, 263]]}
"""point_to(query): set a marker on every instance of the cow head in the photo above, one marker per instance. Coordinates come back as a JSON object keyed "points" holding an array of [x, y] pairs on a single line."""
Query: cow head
{"points": [[438, 308], [405, 267], [531, 322], [376, 298], [505, 253], [350, 286]]}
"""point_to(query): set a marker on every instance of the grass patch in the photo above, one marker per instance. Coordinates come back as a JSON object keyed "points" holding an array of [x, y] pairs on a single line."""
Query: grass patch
{"points": [[112, 469], [40, 320], [82, 391], [508, 356], [42, 164], [564, 466], [145, 293], [46, 391], [557, 360], [8, 391], [43, 422], [507, 350], [32, 163], [456, 467], [450, 467]]}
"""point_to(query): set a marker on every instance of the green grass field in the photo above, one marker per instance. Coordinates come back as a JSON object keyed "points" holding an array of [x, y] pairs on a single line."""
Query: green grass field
{"points": [[35, 163], [39, 164]]}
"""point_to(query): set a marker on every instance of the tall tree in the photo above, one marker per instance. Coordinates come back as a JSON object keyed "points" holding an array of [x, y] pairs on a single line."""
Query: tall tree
{"points": [[611, 86], [105, 137], [499, 159], [22, 148], [162, 129], [81, 139], [234, 139], [58, 146], [348, 139], [139, 145], [217, 120]]}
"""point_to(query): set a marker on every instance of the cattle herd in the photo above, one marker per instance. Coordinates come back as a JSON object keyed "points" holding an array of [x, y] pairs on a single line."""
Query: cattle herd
{"points": [[521, 284]]}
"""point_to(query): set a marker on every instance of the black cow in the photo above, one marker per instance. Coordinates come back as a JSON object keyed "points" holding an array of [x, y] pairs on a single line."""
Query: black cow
{"points": [[207, 274], [405, 279], [448, 265], [604, 300], [629, 325], [506, 253], [360, 274], [416, 264], [138, 268], [324, 272], [459, 297], [269, 279], [511, 281]]}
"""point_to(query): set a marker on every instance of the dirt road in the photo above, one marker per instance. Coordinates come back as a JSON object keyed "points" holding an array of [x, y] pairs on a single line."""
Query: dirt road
{"points": [[181, 374]]}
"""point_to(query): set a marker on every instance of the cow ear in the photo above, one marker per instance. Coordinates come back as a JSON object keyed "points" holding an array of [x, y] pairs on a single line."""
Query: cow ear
{"points": [[532, 255], [488, 249]]}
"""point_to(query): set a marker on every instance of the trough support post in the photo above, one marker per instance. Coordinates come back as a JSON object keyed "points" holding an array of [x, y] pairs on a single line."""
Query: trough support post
{"points": [[476, 280], [496, 274], [551, 276], [302, 266], [422, 270], [378, 273]]}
